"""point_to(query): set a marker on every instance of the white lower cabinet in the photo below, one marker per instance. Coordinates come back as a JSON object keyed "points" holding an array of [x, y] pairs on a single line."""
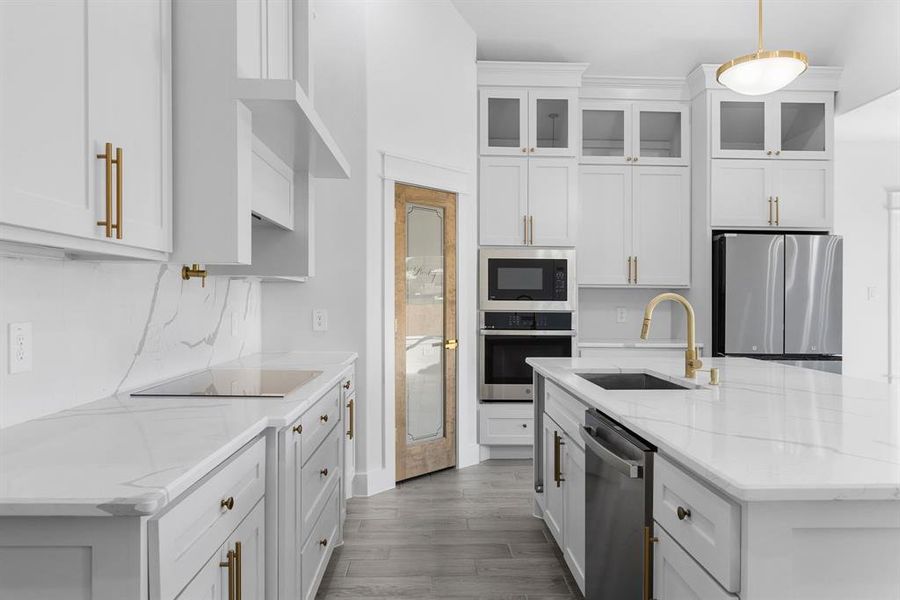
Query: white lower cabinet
{"points": [[677, 576], [506, 424]]}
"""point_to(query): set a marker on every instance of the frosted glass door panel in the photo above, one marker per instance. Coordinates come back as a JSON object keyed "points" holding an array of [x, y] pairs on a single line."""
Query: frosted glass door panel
{"points": [[503, 122], [742, 126], [803, 127], [424, 323], [603, 133], [660, 134], [552, 123]]}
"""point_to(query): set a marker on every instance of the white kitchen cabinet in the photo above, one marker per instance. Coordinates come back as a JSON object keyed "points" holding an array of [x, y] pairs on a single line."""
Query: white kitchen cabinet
{"points": [[573, 511], [677, 576], [646, 133], [553, 436], [634, 226], [348, 395], [764, 194], [518, 121], [783, 125], [114, 86], [527, 201], [210, 583], [505, 424]]}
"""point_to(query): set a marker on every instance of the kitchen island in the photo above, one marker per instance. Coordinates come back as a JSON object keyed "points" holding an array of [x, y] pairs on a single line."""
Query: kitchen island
{"points": [[779, 482]]}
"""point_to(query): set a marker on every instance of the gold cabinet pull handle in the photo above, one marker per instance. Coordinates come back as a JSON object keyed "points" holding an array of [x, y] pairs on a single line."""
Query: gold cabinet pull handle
{"points": [[649, 540], [351, 417], [777, 210], [107, 157], [119, 177], [227, 503], [635, 271], [557, 467], [229, 564], [629, 269], [531, 226], [770, 210], [237, 570], [525, 229], [778, 153], [768, 153], [324, 418], [297, 428]]}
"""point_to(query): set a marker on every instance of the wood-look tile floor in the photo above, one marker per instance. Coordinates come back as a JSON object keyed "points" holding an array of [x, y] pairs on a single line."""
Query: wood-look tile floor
{"points": [[465, 533]]}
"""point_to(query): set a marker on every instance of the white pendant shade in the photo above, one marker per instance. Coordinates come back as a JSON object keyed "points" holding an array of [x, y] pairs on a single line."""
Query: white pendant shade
{"points": [[762, 72]]}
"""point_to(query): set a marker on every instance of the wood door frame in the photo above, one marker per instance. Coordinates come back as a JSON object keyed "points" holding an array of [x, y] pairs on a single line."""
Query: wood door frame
{"points": [[442, 454]]}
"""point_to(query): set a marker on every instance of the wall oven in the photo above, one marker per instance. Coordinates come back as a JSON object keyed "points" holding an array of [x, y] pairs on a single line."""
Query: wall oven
{"points": [[527, 279], [507, 339]]}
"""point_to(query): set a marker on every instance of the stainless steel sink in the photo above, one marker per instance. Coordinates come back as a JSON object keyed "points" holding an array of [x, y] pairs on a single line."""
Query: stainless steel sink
{"points": [[632, 381]]}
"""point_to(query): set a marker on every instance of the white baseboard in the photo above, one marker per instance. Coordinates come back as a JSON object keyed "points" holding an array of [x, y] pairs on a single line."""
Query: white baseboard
{"points": [[506, 452], [468, 455], [370, 483]]}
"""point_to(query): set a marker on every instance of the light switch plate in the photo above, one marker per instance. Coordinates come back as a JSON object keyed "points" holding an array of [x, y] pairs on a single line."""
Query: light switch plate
{"points": [[621, 314], [20, 348], [320, 319]]}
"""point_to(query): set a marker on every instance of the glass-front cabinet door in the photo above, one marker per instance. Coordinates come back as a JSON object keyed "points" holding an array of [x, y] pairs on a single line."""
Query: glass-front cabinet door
{"points": [[606, 133], [661, 134], [786, 125], [503, 121], [552, 122], [805, 125]]}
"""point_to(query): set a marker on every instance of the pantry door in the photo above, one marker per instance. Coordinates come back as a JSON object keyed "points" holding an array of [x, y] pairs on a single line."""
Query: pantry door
{"points": [[425, 330]]}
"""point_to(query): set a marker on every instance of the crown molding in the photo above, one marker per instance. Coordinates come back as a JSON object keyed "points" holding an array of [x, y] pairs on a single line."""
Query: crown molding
{"points": [[634, 88], [530, 74], [815, 79]]}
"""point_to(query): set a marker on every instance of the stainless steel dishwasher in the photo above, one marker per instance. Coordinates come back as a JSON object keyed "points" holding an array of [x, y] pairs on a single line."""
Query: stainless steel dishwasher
{"points": [[618, 511]]}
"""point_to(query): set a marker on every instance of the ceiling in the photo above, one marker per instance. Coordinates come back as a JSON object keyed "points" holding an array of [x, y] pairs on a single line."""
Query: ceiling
{"points": [[878, 120], [655, 38]]}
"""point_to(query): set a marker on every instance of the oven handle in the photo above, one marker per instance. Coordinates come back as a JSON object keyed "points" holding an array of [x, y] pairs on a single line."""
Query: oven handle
{"points": [[629, 468], [530, 332]]}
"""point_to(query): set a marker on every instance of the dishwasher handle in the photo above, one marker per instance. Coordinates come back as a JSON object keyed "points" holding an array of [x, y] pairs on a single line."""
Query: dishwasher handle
{"points": [[629, 468]]}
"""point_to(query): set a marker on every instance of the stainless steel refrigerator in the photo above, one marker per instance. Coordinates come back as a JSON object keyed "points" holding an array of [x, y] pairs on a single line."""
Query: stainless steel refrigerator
{"points": [[778, 297]]}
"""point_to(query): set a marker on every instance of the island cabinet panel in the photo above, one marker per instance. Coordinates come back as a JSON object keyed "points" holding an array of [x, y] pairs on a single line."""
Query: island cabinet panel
{"points": [[573, 511], [705, 523], [677, 576], [185, 535], [348, 395]]}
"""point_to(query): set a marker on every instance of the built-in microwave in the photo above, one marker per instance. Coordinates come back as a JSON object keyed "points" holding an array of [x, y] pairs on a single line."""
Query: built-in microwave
{"points": [[527, 279]]}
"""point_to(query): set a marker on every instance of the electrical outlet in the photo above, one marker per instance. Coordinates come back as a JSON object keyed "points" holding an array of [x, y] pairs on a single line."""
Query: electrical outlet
{"points": [[621, 314], [19, 347], [320, 319]]}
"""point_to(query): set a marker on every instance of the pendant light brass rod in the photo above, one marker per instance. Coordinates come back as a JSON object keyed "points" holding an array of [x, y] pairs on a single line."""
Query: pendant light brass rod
{"points": [[759, 18]]}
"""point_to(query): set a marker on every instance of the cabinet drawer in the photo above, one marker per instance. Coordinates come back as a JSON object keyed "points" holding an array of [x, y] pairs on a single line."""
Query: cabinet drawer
{"points": [[677, 576], [506, 424], [565, 410], [316, 422], [184, 537], [711, 532], [317, 475], [318, 547]]}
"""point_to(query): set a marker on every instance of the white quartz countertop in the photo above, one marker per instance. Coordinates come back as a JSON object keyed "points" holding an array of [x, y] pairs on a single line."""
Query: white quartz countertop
{"points": [[613, 343], [768, 432], [131, 456]]}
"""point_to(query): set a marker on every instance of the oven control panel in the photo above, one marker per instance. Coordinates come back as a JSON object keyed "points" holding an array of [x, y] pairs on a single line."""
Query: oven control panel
{"points": [[547, 321]]}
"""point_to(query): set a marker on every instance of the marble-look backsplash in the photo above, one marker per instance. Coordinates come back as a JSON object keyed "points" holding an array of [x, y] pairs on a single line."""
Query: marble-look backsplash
{"points": [[102, 327]]}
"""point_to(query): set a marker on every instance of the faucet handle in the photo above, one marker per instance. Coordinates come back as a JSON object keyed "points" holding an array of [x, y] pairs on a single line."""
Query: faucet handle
{"points": [[713, 375]]}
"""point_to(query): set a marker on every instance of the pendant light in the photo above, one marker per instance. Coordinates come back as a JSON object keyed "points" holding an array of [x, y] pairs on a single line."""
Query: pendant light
{"points": [[763, 71]]}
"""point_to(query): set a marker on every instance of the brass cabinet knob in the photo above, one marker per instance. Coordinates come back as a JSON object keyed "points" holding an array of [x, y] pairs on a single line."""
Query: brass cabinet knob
{"points": [[778, 153], [524, 425], [768, 153], [324, 418], [347, 385], [627, 159], [524, 150], [297, 428], [634, 158], [323, 542], [532, 150], [683, 513], [227, 503], [324, 472]]}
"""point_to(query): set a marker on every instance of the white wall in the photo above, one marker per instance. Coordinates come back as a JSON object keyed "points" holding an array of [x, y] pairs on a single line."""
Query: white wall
{"points": [[421, 104], [597, 320], [862, 170], [102, 327]]}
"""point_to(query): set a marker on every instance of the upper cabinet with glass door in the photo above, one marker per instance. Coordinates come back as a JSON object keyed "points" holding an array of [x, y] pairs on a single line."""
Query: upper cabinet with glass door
{"points": [[792, 125], [651, 133], [528, 122]]}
